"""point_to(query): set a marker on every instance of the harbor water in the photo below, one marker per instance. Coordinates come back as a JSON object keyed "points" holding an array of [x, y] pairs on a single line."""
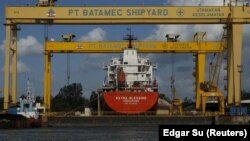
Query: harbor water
{"points": [[91, 133]]}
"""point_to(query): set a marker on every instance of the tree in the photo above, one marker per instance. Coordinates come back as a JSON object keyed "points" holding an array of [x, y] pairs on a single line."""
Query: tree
{"points": [[245, 94], [1, 103], [39, 99], [93, 100], [69, 98], [163, 96]]}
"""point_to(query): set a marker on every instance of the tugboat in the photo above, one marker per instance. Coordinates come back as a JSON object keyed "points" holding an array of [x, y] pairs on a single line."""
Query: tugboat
{"points": [[130, 87], [25, 115]]}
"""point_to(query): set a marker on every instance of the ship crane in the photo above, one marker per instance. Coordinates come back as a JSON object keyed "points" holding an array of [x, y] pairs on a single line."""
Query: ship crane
{"points": [[210, 88]]}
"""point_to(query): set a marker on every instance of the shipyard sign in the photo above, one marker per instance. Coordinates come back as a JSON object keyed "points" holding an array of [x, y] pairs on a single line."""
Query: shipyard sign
{"points": [[157, 12], [113, 12], [148, 12]]}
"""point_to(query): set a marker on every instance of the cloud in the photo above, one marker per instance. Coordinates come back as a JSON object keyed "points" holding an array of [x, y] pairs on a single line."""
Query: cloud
{"points": [[26, 46], [160, 31], [97, 34], [29, 46], [89, 66], [21, 68], [186, 32], [183, 63]]}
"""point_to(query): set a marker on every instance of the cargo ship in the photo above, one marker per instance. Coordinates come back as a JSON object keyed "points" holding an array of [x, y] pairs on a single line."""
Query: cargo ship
{"points": [[130, 87], [24, 115]]}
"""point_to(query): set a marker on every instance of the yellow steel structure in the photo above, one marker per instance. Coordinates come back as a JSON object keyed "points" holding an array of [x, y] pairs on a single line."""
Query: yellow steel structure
{"points": [[143, 47], [47, 80], [128, 15], [7, 68], [177, 105], [234, 61], [220, 100], [14, 63], [201, 48], [234, 16]]}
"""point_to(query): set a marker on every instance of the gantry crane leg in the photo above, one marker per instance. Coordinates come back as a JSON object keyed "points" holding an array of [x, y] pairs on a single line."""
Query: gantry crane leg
{"points": [[14, 64], [200, 76], [234, 62], [47, 79], [7, 67]]}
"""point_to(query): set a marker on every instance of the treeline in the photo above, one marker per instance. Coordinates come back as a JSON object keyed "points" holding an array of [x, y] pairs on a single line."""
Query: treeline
{"points": [[71, 98], [245, 94], [1, 103]]}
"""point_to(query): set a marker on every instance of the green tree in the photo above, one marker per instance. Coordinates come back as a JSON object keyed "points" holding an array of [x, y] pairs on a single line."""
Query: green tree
{"points": [[69, 98], [93, 100], [245, 94], [39, 99], [163, 96], [1, 103]]}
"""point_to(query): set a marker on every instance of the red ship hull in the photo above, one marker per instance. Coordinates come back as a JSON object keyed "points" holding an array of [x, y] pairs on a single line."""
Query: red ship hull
{"points": [[126, 102], [9, 121]]}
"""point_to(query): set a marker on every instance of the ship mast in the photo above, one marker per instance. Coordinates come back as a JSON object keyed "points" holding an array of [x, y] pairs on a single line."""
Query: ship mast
{"points": [[28, 89], [129, 37]]}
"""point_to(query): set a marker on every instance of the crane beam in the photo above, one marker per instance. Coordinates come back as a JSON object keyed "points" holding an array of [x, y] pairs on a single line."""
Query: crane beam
{"points": [[128, 15], [143, 47]]}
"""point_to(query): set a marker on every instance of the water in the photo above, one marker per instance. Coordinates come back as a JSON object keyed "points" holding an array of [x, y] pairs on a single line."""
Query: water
{"points": [[81, 134]]}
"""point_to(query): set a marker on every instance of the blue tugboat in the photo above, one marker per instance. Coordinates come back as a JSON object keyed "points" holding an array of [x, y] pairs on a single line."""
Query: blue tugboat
{"points": [[25, 115]]}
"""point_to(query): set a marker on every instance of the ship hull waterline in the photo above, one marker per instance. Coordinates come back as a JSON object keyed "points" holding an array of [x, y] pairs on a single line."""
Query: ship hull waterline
{"points": [[127, 102]]}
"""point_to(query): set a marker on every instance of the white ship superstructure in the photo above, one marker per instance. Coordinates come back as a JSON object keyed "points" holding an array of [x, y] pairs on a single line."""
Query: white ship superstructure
{"points": [[138, 72]]}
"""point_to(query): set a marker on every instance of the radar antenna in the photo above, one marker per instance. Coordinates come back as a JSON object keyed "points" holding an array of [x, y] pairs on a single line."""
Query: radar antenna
{"points": [[130, 37]]}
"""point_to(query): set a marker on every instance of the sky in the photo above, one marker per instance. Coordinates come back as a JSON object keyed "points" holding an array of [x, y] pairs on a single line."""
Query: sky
{"points": [[87, 68]]}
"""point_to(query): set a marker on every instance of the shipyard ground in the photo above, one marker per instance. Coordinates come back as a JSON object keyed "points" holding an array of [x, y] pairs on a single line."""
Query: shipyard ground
{"points": [[144, 120]]}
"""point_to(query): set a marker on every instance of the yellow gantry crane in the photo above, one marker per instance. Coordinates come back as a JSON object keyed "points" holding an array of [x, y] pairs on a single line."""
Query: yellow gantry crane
{"points": [[234, 16], [210, 87], [201, 48]]}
